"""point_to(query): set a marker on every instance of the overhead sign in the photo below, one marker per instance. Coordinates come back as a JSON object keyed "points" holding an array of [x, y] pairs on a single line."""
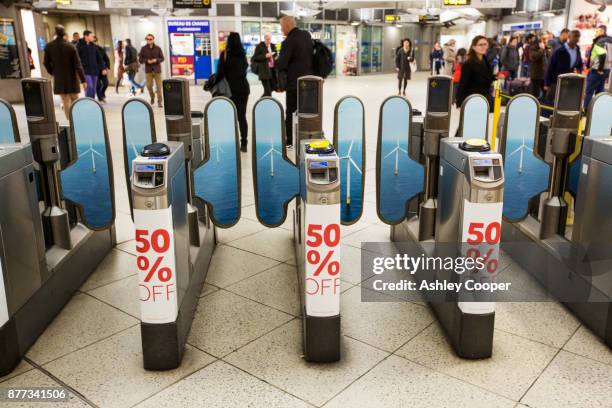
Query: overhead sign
{"points": [[525, 26], [457, 2], [139, 4], [191, 4], [392, 18], [83, 5], [429, 19], [481, 3]]}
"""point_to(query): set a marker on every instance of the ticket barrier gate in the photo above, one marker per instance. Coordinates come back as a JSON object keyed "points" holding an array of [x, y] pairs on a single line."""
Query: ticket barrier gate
{"points": [[570, 262], [427, 190], [56, 222], [209, 180], [328, 186]]}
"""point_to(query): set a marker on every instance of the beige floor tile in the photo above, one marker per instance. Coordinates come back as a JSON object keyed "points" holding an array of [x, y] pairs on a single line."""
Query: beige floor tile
{"points": [[587, 344], [124, 227], [398, 383], [386, 324], [128, 246], [221, 385], [21, 368], [110, 373], [514, 366], [245, 227], [277, 287], [351, 264], [207, 289], [572, 381], [546, 322], [36, 378], [83, 321], [230, 265], [315, 383], [225, 322], [116, 266], [123, 295], [274, 243]]}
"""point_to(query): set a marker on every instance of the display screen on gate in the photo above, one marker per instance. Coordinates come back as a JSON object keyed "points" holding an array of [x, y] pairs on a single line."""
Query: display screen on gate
{"points": [[173, 98], [439, 93], [34, 99]]}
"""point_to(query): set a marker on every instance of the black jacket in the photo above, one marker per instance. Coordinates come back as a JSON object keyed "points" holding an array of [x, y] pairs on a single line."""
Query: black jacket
{"points": [[90, 57], [560, 64], [259, 58], [104, 56], [234, 70], [476, 78], [295, 59], [62, 61], [402, 63], [130, 55]]}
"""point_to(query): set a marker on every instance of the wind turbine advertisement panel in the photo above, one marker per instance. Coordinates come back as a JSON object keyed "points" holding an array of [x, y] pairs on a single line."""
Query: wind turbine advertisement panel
{"points": [[349, 140], [275, 178], [525, 174], [217, 180], [9, 132], [398, 178], [88, 182], [138, 132], [599, 126]]}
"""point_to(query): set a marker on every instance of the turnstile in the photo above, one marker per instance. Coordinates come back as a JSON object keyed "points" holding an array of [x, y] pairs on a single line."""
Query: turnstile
{"points": [[57, 214]]}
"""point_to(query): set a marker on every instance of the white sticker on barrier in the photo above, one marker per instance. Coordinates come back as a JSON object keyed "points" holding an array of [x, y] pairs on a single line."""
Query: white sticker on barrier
{"points": [[4, 315], [480, 238], [322, 263], [156, 265]]}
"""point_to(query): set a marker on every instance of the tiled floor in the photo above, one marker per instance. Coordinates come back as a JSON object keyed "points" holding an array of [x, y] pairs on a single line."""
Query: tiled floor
{"points": [[245, 343]]}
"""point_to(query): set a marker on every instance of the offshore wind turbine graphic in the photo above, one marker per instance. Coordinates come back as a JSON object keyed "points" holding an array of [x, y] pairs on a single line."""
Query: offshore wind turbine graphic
{"points": [[396, 150], [217, 148], [520, 149], [271, 152], [92, 151], [349, 162]]}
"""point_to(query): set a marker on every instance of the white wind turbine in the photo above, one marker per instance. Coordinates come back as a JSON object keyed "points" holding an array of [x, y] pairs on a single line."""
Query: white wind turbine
{"points": [[217, 148], [396, 150], [349, 161], [520, 149], [92, 151], [271, 152]]}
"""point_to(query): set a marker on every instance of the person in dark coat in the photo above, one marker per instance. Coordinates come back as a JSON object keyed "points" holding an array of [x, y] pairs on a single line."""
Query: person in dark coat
{"points": [[476, 73], [565, 60], [233, 67], [103, 76], [294, 61], [151, 56], [91, 60], [264, 58], [403, 58], [537, 63], [62, 61], [130, 64], [509, 58], [436, 58]]}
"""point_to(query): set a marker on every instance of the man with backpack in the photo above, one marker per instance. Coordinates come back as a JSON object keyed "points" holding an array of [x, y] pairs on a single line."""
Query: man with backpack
{"points": [[295, 60], [600, 62]]}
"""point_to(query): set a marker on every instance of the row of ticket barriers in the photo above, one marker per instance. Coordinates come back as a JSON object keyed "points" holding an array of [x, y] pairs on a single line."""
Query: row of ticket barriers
{"points": [[543, 195]]}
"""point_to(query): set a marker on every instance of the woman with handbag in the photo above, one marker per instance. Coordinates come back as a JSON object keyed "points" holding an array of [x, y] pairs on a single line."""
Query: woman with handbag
{"points": [[232, 67], [403, 58], [130, 62]]}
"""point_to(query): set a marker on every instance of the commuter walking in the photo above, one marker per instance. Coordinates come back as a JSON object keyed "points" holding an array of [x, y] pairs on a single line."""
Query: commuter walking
{"points": [[509, 58], [264, 59], [476, 73], [119, 70], [537, 66], [62, 61], [91, 60], [600, 62], [403, 58], [152, 56], [102, 84], [233, 68], [130, 64], [449, 54], [565, 60], [294, 61], [436, 58]]}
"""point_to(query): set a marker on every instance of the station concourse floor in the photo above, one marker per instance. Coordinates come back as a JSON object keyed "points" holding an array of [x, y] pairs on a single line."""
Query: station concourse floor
{"points": [[245, 342]]}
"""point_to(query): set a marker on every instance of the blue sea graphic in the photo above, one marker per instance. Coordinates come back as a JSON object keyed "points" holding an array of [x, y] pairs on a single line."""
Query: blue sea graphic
{"points": [[216, 181], [350, 149], [137, 128], [400, 178], [7, 136], [86, 182], [277, 180]]}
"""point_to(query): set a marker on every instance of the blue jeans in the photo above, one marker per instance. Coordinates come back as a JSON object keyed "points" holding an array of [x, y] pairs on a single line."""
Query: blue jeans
{"points": [[595, 83], [92, 85], [133, 83]]}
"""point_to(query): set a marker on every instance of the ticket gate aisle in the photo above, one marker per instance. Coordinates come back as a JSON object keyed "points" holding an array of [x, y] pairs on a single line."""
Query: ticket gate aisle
{"points": [[57, 214], [570, 263], [328, 186], [430, 189], [180, 191]]}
